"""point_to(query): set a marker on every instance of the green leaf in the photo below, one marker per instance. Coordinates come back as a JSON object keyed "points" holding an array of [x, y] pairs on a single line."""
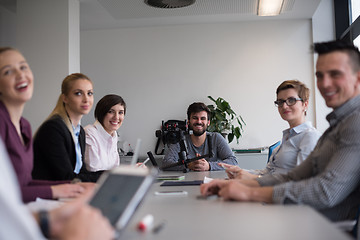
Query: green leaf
{"points": [[223, 119], [230, 137], [212, 99]]}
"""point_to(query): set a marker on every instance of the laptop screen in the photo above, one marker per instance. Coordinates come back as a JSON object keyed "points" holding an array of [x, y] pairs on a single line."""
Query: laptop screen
{"points": [[136, 153], [120, 192]]}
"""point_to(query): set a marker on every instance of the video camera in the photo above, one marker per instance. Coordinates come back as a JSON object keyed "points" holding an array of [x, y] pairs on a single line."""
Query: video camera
{"points": [[171, 131]]}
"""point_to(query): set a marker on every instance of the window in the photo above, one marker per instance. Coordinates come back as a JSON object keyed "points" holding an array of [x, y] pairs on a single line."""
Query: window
{"points": [[347, 21], [355, 9]]}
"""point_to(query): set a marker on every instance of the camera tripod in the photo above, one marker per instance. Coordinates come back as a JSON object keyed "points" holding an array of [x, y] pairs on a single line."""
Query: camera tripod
{"points": [[183, 160]]}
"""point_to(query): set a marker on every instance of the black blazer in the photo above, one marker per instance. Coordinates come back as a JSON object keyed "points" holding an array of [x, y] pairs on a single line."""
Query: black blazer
{"points": [[54, 153]]}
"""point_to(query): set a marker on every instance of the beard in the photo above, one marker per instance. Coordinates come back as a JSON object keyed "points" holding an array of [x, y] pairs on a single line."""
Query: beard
{"points": [[196, 132]]}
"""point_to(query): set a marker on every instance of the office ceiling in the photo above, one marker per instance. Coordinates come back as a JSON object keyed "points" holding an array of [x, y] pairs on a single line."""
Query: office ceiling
{"points": [[100, 14], [107, 14]]}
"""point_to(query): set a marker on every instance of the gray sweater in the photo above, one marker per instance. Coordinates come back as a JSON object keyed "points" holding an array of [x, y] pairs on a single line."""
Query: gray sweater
{"points": [[220, 148]]}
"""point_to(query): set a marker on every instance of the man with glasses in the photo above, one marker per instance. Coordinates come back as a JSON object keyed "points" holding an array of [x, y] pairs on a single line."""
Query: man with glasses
{"points": [[329, 179]]}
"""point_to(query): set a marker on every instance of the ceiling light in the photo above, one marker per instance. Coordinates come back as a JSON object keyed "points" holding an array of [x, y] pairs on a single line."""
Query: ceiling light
{"points": [[269, 7], [169, 3]]}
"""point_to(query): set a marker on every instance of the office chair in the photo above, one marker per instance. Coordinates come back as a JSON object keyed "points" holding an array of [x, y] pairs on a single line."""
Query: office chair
{"points": [[271, 149], [356, 230]]}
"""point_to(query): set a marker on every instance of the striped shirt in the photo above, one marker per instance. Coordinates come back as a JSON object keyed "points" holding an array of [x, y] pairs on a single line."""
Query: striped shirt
{"points": [[329, 179]]}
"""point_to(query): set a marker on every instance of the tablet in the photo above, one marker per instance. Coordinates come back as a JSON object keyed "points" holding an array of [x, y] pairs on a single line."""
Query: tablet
{"points": [[119, 193]]}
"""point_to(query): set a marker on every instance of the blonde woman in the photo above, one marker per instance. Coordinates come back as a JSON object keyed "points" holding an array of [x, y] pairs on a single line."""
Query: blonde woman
{"points": [[59, 144]]}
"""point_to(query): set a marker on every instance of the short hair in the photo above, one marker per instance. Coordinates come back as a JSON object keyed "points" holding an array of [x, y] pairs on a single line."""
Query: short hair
{"points": [[301, 89], [105, 104], [341, 46], [198, 107]]}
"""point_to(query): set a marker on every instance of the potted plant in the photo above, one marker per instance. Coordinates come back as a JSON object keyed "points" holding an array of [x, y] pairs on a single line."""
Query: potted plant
{"points": [[224, 120]]}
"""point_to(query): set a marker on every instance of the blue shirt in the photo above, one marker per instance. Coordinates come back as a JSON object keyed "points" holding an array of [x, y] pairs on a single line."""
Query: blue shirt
{"points": [[77, 149]]}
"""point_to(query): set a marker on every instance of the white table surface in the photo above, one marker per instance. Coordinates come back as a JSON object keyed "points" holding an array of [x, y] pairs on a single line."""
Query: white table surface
{"points": [[187, 217]]}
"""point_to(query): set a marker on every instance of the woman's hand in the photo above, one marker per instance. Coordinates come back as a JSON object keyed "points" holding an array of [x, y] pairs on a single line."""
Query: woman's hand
{"points": [[67, 190], [235, 172]]}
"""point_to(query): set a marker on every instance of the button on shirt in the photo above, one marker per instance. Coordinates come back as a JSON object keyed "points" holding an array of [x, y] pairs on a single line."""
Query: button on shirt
{"points": [[101, 148], [77, 149], [297, 143]]}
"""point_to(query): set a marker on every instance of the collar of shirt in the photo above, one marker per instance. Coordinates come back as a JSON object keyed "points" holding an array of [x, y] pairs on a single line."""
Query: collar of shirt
{"points": [[344, 110], [287, 133], [76, 129], [103, 132]]}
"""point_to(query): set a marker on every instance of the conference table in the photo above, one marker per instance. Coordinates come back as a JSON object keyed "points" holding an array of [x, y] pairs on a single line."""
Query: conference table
{"points": [[188, 217]]}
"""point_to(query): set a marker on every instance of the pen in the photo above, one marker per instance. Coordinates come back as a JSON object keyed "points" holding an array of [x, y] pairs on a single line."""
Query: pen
{"points": [[158, 227], [146, 160]]}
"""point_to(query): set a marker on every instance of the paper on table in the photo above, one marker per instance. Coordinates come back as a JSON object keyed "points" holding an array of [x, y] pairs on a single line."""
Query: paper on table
{"points": [[43, 204], [207, 179]]}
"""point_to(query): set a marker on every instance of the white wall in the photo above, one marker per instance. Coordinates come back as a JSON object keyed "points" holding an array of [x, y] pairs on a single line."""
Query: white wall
{"points": [[161, 70], [323, 30], [48, 35], [7, 27]]}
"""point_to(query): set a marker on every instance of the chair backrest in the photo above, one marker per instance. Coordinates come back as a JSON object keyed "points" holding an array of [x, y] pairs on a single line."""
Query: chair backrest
{"points": [[272, 147]]}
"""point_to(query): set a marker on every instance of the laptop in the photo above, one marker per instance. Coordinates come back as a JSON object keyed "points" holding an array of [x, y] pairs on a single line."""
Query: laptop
{"points": [[163, 177], [120, 191], [135, 157]]}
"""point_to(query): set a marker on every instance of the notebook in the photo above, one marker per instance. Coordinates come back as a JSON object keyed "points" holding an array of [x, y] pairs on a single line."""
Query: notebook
{"points": [[119, 193]]}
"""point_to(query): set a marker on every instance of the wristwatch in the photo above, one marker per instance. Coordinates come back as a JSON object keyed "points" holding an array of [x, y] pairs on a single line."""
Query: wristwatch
{"points": [[44, 223]]}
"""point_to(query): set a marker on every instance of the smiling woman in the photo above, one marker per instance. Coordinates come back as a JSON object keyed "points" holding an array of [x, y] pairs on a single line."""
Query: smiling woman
{"points": [[101, 137], [16, 89], [59, 143], [292, 100]]}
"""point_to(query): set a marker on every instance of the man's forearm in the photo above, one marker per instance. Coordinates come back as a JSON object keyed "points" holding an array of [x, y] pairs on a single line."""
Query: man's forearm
{"points": [[261, 194]]}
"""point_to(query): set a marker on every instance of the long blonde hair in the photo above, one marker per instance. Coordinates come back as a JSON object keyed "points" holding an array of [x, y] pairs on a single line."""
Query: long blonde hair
{"points": [[59, 109]]}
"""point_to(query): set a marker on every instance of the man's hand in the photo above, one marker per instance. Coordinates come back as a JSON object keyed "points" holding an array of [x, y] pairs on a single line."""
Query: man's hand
{"points": [[227, 189], [239, 190], [77, 220], [213, 187], [199, 165]]}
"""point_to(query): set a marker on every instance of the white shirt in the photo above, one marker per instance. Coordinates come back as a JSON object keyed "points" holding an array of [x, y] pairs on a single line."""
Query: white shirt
{"points": [[101, 148], [16, 220], [297, 143]]}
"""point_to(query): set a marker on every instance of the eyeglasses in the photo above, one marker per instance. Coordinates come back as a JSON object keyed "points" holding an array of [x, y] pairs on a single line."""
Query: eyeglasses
{"points": [[290, 101]]}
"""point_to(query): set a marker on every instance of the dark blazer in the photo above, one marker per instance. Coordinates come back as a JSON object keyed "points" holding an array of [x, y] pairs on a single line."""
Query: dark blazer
{"points": [[54, 153]]}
